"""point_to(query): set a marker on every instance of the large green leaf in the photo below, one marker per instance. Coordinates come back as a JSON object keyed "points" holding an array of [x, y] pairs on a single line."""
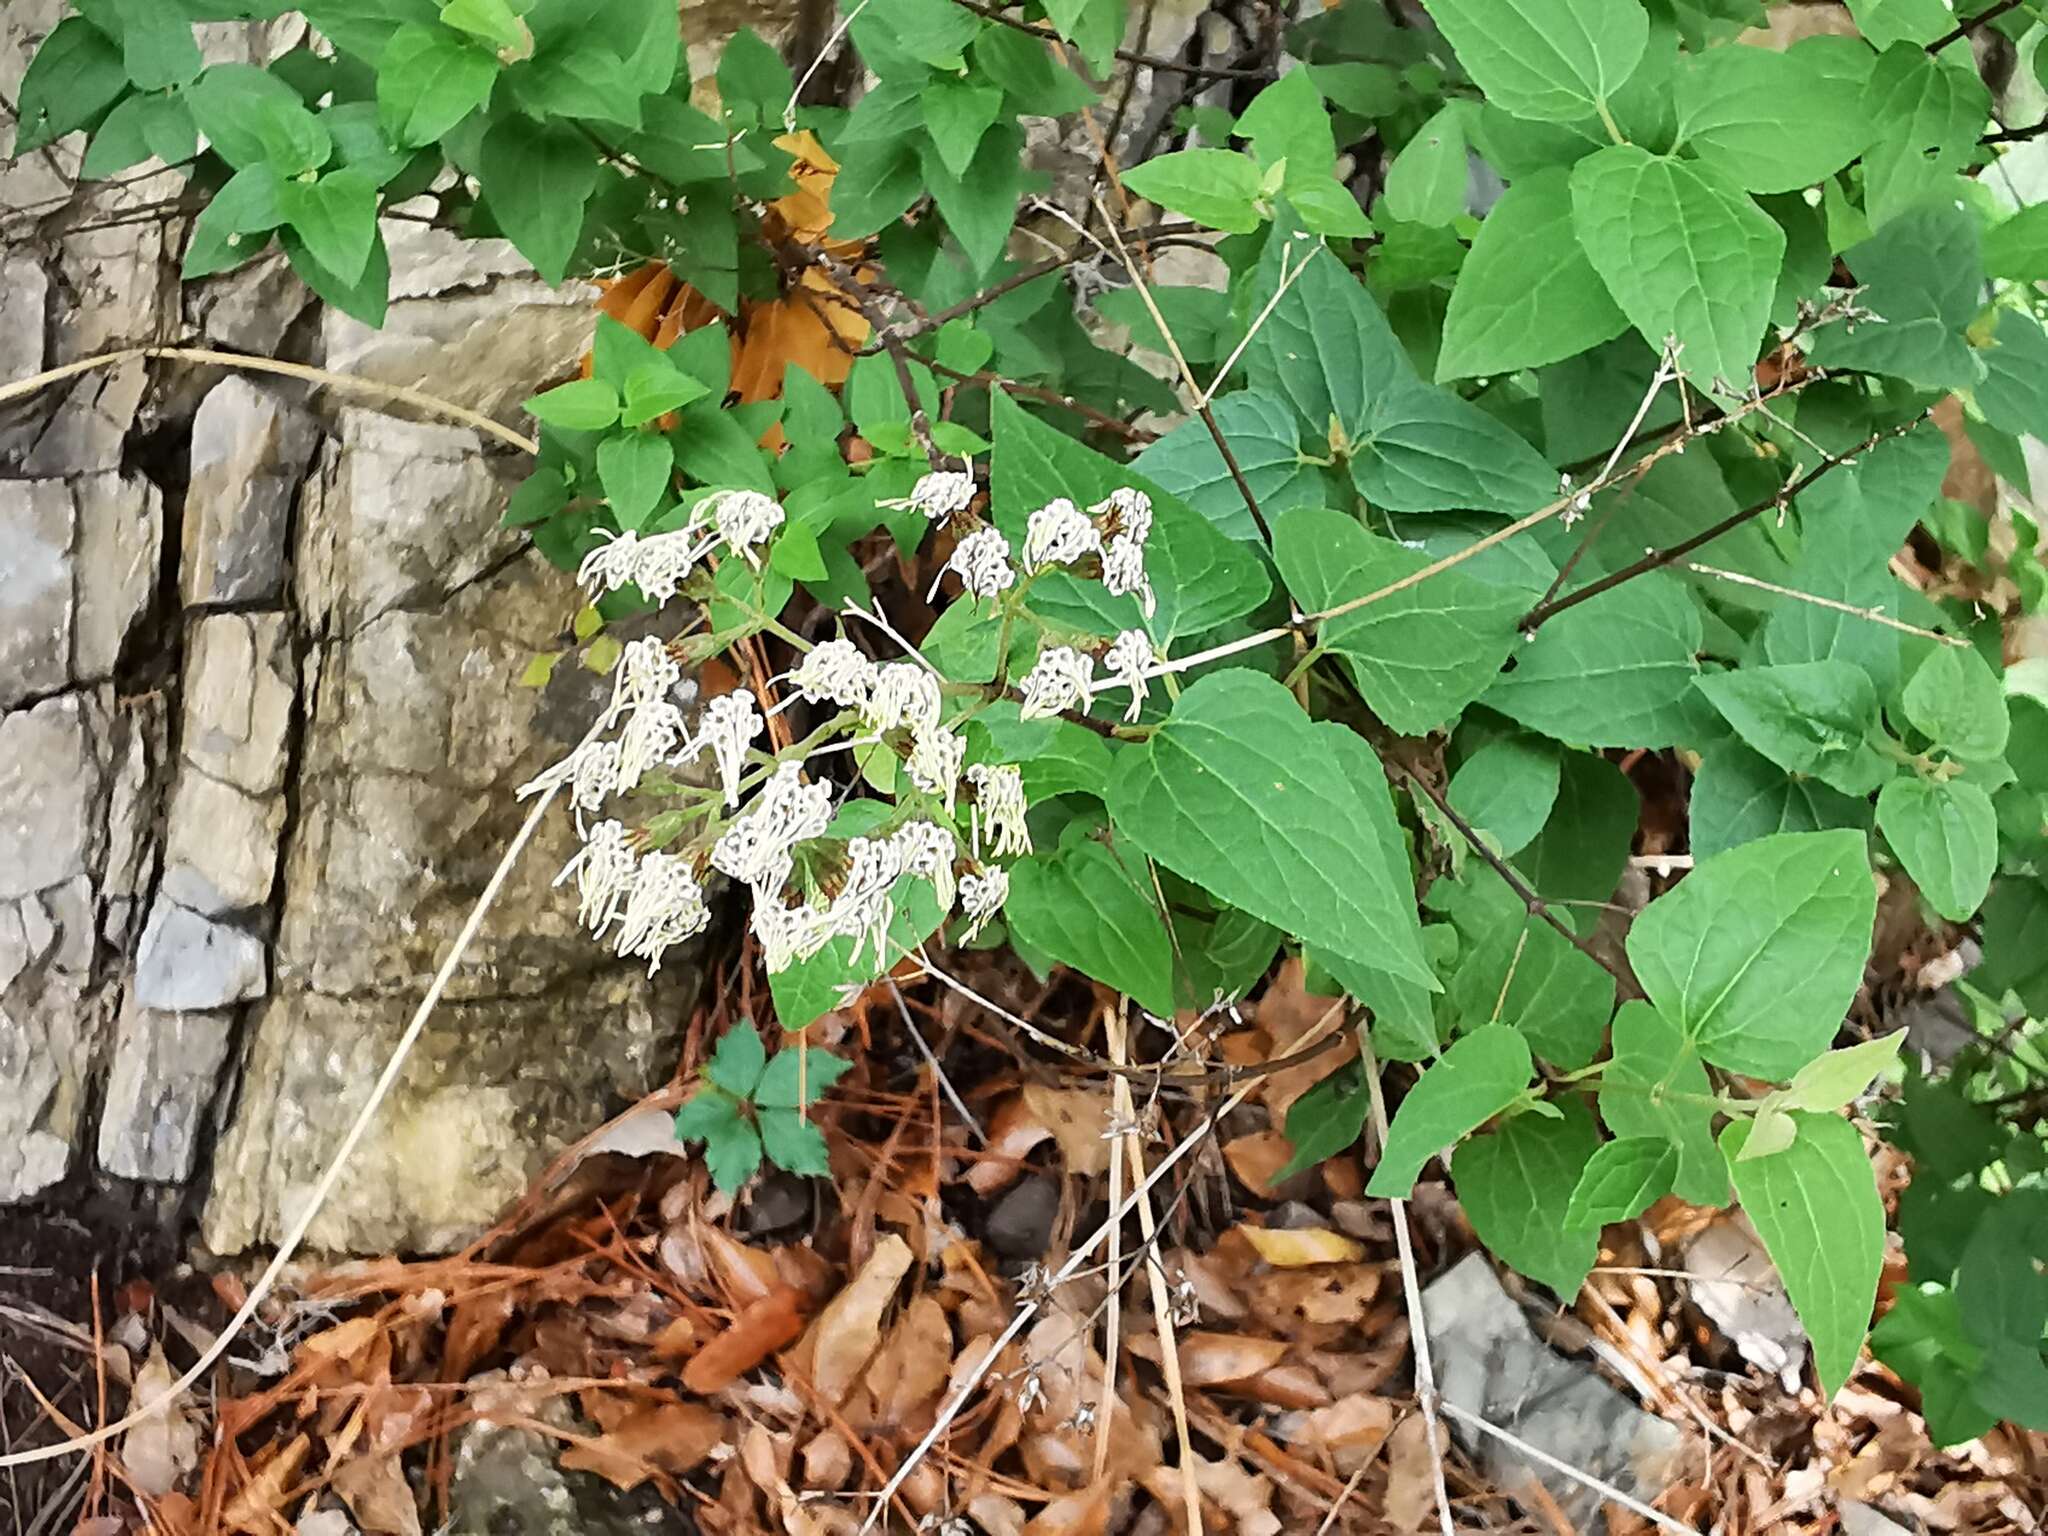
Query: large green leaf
{"points": [[2014, 393], [1946, 835], [1201, 577], [250, 116], [1241, 794], [1514, 968], [1807, 717], [1423, 448], [1264, 438], [1526, 295], [1419, 656], [1739, 795], [1655, 1085], [1622, 1180], [1816, 1206], [1216, 187], [1685, 253], [536, 178], [1478, 1077], [1506, 789], [1552, 61], [1516, 1186], [1925, 112], [1611, 672], [1088, 908], [76, 75], [1326, 347], [1772, 121], [1955, 700], [1758, 953], [428, 81], [1922, 276]]}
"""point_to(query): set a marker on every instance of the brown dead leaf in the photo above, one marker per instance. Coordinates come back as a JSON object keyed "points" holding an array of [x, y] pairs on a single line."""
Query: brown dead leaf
{"points": [[849, 1330], [1079, 1514], [1013, 1130], [343, 1342], [1211, 1359], [1076, 1117], [1347, 1431], [1286, 1013], [1410, 1502], [1257, 1159], [747, 1273], [1296, 1247], [913, 1365], [1287, 1385], [662, 1437], [1324, 1294], [377, 1494], [257, 1507], [772, 1323]]}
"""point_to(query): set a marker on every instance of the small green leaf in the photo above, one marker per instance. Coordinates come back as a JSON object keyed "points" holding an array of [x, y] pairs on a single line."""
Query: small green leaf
{"points": [[956, 115], [1423, 448], [497, 22], [2014, 393], [1836, 1080], [536, 177], [1946, 836], [427, 82], [1953, 698], [794, 1144], [1527, 295], [1287, 122], [1326, 1120], [1506, 789], [1088, 907], [732, 1154], [655, 389], [1771, 1130], [247, 204], [1807, 717], [1426, 182], [736, 1065], [336, 217], [1516, 1185], [1623, 1179], [75, 76], [1479, 1076], [705, 1114], [249, 116], [798, 555], [365, 299], [796, 1078], [1551, 61], [1655, 1086], [1758, 953], [634, 468], [1817, 1208], [1216, 187], [581, 405]]}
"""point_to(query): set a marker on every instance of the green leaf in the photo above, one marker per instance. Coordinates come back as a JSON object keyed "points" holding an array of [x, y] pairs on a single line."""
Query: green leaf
{"points": [[1807, 717], [809, 987], [1264, 438], [1771, 1130], [1884, 22], [980, 204], [335, 216], [1739, 796], [655, 389], [1093, 26], [1583, 848], [1655, 1085], [536, 177], [157, 47], [119, 141], [1240, 794], [1622, 1180], [2002, 1292], [1527, 295], [794, 1144], [1817, 1208], [1553, 61], [706, 1114], [497, 22], [1954, 700], [1611, 672], [1054, 757], [2014, 393], [752, 79], [1684, 252], [365, 299], [956, 115], [1926, 111], [797, 1078], [634, 469], [1513, 968], [1026, 70], [1326, 347], [2018, 248], [246, 204], [1326, 1120], [712, 447], [1506, 790], [1921, 275], [1287, 122], [1216, 187], [1922, 1338], [1422, 448], [737, 1063], [581, 405], [1419, 656], [1479, 1076], [1946, 836], [75, 76], [1089, 908], [249, 115], [1758, 953], [1516, 1185], [427, 82], [1776, 122], [1426, 182], [1201, 578], [1837, 1079], [733, 1154]]}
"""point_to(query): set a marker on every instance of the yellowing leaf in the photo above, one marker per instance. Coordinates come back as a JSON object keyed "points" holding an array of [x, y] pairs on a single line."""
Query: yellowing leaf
{"points": [[1291, 1248]]}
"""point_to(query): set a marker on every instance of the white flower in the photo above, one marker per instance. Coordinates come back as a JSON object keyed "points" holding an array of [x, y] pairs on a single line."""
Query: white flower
{"points": [[982, 561], [1581, 504], [788, 934], [981, 898], [656, 564], [1059, 533], [999, 807], [1126, 511], [835, 670], [653, 731], [928, 851], [1123, 571], [603, 868], [904, 694], [727, 726], [756, 848], [935, 758], [863, 908], [611, 565], [937, 495], [591, 772], [744, 519], [644, 675], [664, 907], [1128, 657], [1061, 678]]}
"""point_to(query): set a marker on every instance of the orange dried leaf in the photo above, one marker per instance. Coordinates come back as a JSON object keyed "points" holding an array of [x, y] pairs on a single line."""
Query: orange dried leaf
{"points": [[377, 1494], [1324, 1294], [1076, 1117], [1012, 1132], [344, 1341], [772, 1323], [256, 1507], [1211, 1359], [849, 1330], [663, 1437], [1257, 1159], [1291, 1248]]}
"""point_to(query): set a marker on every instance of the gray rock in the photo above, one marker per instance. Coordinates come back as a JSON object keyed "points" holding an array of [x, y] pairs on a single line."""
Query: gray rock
{"points": [[1491, 1364], [49, 787], [189, 960], [1020, 1225], [165, 1072], [36, 530], [24, 301], [250, 308], [119, 545], [91, 422], [250, 449], [508, 1481]]}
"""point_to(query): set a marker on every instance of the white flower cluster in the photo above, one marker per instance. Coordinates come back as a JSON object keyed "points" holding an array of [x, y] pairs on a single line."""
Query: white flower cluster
{"points": [[655, 899], [937, 495], [864, 904], [1064, 678], [659, 563], [1114, 530]]}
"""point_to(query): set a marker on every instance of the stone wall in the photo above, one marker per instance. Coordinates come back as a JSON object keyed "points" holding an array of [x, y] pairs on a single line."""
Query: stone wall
{"points": [[260, 732]]}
